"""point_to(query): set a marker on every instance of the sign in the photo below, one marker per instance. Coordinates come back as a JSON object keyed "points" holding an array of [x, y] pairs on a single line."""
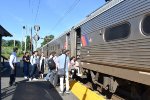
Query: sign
{"points": [[36, 37], [36, 27]]}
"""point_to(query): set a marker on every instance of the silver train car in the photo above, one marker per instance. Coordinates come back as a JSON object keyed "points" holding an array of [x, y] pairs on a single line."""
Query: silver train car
{"points": [[113, 47]]}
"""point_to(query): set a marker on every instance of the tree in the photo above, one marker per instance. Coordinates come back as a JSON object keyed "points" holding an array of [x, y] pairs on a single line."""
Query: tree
{"points": [[47, 39], [17, 43], [10, 42], [4, 43], [28, 43]]}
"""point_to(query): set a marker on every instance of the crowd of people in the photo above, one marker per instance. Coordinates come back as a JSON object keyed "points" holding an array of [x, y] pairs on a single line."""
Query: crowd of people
{"points": [[60, 67]]}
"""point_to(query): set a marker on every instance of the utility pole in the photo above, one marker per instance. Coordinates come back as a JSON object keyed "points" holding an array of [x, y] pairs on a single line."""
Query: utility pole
{"points": [[14, 43], [25, 29], [22, 41], [36, 36], [31, 40]]}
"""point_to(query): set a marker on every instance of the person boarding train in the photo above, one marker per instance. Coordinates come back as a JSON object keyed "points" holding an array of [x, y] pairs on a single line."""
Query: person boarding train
{"points": [[63, 65]]}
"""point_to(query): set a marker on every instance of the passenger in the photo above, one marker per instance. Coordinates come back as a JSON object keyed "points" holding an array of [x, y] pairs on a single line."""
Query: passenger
{"points": [[64, 62], [26, 63], [77, 68], [48, 74], [13, 66], [52, 64], [54, 76], [34, 60], [61, 52], [42, 64], [72, 66]]}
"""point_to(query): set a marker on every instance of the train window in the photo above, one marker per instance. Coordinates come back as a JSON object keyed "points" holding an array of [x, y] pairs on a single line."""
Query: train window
{"points": [[146, 25], [117, 32]]}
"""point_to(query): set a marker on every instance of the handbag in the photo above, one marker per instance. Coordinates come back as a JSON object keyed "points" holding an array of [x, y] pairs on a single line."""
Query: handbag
{"points": [[61, 72]]}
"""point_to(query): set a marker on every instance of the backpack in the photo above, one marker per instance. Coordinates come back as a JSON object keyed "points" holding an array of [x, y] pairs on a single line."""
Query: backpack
{"points": [[51, 64]]}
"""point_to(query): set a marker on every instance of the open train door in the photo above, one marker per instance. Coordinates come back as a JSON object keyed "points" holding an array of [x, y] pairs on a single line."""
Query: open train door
{"points": [[75, 42], [68, 42]]}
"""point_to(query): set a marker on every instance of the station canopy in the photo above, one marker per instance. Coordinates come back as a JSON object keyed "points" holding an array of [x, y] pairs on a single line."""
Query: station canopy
{"points": [[4, 32]]}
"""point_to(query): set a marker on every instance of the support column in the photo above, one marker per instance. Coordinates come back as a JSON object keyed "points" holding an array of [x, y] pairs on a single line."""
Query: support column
{"points": [[0, 48], [0, 56]]}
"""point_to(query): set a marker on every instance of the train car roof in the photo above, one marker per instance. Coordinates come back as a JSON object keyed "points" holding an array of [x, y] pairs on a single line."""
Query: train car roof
{"points": [[99, 11], [58, 37], [92, 15]]}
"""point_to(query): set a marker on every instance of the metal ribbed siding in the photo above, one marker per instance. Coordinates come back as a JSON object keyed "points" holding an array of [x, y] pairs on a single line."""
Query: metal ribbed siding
{"points": [[133, 54], [121, 12], [45, 50], [102, 9]]}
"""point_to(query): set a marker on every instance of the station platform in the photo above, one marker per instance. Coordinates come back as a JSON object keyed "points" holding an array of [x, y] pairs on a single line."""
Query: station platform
{"points": [[42, 90]]}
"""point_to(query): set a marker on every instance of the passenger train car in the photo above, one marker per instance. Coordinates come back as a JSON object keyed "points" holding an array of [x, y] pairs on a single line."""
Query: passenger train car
{"points": [[113, 47]]}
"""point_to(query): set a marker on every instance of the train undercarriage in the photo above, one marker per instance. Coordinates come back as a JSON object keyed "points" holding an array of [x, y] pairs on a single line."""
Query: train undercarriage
{"points": [[114, 88]]}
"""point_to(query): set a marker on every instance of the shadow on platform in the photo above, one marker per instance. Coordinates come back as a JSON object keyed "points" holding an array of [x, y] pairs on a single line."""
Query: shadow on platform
{"points": [[39, 90], [5, 70], [9, 91], [35, 90]]}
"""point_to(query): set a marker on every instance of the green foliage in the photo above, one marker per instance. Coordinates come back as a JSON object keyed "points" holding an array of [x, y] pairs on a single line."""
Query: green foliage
{"points": [[28, 43], [6, 51], [47, 39], [8, 45]]}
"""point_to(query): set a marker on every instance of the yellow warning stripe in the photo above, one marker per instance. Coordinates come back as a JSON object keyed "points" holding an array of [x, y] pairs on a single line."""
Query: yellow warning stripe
{"points": [[83, 93]]}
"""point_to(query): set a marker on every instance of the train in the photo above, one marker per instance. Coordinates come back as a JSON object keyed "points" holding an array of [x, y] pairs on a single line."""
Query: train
{"points": [[112, 45]]}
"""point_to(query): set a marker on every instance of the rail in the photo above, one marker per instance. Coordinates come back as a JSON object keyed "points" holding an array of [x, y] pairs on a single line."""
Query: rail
{"points": [[3, 59]]}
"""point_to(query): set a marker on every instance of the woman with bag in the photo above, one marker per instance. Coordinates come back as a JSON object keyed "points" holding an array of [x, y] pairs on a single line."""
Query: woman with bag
{"points": [[63, 64]]}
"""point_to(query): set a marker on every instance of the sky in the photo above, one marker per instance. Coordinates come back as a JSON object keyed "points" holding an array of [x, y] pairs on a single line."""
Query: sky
{"points": [[53, 16]]}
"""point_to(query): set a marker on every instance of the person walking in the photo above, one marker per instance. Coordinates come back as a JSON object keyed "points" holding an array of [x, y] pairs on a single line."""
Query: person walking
{"points": [[13, 66], [34, 60], [26, 63], [63, 64]]}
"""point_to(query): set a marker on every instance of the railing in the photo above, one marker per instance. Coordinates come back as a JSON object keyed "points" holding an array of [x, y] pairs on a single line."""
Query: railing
{"points": [[3, 59]]}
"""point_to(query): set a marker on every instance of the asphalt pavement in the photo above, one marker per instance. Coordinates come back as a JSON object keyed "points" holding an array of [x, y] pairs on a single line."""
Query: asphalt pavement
{"points": [[25, 90]]}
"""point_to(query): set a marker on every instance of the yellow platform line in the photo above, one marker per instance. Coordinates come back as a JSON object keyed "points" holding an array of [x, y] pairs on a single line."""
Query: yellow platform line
{"points": [[83, 93]]}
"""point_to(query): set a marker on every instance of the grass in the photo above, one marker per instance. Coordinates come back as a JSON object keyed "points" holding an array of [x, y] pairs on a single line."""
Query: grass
{"points": [[6, 52]]}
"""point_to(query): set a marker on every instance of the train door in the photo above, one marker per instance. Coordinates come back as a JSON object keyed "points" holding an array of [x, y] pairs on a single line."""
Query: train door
{"points": [[75, 40], [68, 44], [78, 43]]}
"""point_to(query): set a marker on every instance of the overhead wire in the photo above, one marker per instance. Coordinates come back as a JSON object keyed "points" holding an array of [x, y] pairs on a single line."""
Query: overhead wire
{"points": [[37, 12], [29, 3], [75, 3]]}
